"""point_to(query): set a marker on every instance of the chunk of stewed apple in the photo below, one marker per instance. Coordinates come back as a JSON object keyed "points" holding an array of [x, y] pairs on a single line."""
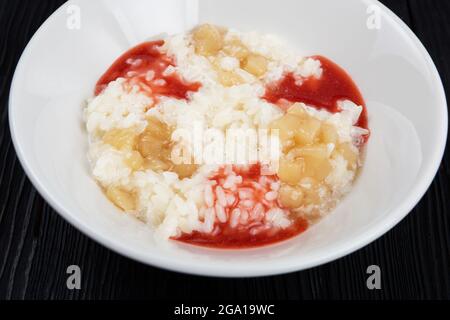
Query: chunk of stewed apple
{"points": [[290, 197], [134, 160], [291, 171], [307, 131], [155, 140], [184, 170], [317, 168], [287, 125], [228, 78], [312, 128], [156, 164], [158, 129], [316, 160], [296, 130], [121, 139], [235, 48], [298, 110], [308, 147], [316, 151], [350, 154], [255, 64], [154, 145], [150, 146], [208, 40], [328, 134], [121, 198]]}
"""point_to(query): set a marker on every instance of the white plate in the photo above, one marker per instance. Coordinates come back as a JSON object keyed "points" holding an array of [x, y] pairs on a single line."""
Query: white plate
{"points": [[403, 91]]}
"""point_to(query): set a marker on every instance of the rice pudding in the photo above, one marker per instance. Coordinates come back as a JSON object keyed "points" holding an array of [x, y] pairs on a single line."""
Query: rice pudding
{"points": [[159, 128]]}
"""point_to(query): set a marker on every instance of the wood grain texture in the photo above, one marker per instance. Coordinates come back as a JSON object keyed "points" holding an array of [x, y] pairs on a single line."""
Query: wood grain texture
{"points": [[37, 245]]}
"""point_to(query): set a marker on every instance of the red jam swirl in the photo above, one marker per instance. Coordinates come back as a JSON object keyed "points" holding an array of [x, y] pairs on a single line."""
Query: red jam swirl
{"points": [[146, 66], [324, 92], [254, 232]]}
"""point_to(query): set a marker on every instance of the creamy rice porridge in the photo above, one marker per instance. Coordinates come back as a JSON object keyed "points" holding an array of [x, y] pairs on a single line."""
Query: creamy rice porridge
{"points": [[225, 139]]}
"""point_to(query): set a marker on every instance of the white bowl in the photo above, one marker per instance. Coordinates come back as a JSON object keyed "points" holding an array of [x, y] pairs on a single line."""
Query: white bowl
{"points": [[403, 91]]}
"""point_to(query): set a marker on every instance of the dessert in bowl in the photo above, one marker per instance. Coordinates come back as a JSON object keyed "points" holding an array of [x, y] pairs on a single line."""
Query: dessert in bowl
{"points": [[397, 81], [280, 140]]}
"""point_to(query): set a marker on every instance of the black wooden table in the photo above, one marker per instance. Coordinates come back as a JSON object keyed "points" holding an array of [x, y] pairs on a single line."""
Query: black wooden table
{"points": [[37, 245]]}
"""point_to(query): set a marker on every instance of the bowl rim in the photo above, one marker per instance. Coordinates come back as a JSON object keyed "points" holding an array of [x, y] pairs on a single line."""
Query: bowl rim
{"points": [[373, 232]]}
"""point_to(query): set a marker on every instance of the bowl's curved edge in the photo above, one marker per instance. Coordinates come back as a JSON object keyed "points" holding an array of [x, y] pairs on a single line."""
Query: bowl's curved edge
{"points": [[228, 271]]}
